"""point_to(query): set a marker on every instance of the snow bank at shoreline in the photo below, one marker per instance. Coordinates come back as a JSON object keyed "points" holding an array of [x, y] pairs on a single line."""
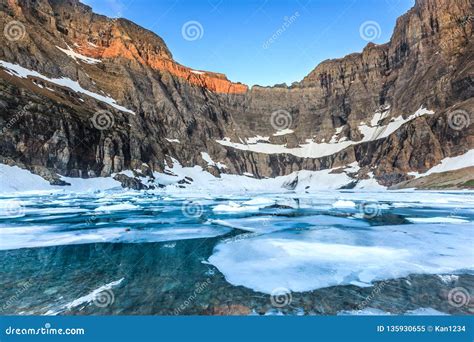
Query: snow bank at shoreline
{"points": [[16, 180]]}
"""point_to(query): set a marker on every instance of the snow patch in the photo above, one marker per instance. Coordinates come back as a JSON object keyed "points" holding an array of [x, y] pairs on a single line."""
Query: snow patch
{"points": [[19, 71], [449, 164], [256, 139], [77, 56], [283, 132], [207, 158], [316, 150]]}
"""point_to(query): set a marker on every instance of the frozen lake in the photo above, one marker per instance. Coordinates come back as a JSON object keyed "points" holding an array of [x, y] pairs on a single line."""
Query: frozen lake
{"points": [[327, 252]]}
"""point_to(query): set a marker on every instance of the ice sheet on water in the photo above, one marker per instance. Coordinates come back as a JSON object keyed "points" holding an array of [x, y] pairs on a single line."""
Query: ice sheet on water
{"points": [[337, 256], [344, 204], [436, 220], [268, 224], [232, 207], [44, 236], [116, 207]]}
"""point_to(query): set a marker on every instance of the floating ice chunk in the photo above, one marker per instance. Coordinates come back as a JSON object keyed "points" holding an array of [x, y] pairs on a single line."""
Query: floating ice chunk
{"points": [[344, 204], [54, 210], [296, 265], [327, 257], [15, 237], [436, 220], [233, 207], [260, 202], [115, 207]]}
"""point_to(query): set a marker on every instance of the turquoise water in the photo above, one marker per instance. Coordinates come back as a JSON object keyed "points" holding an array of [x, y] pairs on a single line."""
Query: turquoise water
{"points": [[310, 254]]}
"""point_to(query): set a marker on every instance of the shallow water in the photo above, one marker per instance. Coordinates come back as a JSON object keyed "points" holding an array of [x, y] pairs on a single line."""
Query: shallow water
{"points": [[156, 253]]}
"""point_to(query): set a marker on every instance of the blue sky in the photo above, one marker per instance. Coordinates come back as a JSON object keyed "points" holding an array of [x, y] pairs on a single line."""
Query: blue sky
{"points": [[234, 36]]}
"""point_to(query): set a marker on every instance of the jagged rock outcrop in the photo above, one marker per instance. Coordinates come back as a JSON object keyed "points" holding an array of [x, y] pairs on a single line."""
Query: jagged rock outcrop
{"points": [[180, 112]]}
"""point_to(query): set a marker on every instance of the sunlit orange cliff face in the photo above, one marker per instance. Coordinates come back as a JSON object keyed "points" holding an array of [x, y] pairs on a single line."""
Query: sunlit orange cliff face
{"points": [[159, 60]]}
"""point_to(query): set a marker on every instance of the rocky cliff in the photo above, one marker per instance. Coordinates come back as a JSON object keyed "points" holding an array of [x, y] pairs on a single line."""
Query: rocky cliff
{"points": [[83, 95]]}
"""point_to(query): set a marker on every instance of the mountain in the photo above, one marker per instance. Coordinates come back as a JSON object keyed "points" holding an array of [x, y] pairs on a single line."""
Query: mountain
{"points": [[83, 95]]}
